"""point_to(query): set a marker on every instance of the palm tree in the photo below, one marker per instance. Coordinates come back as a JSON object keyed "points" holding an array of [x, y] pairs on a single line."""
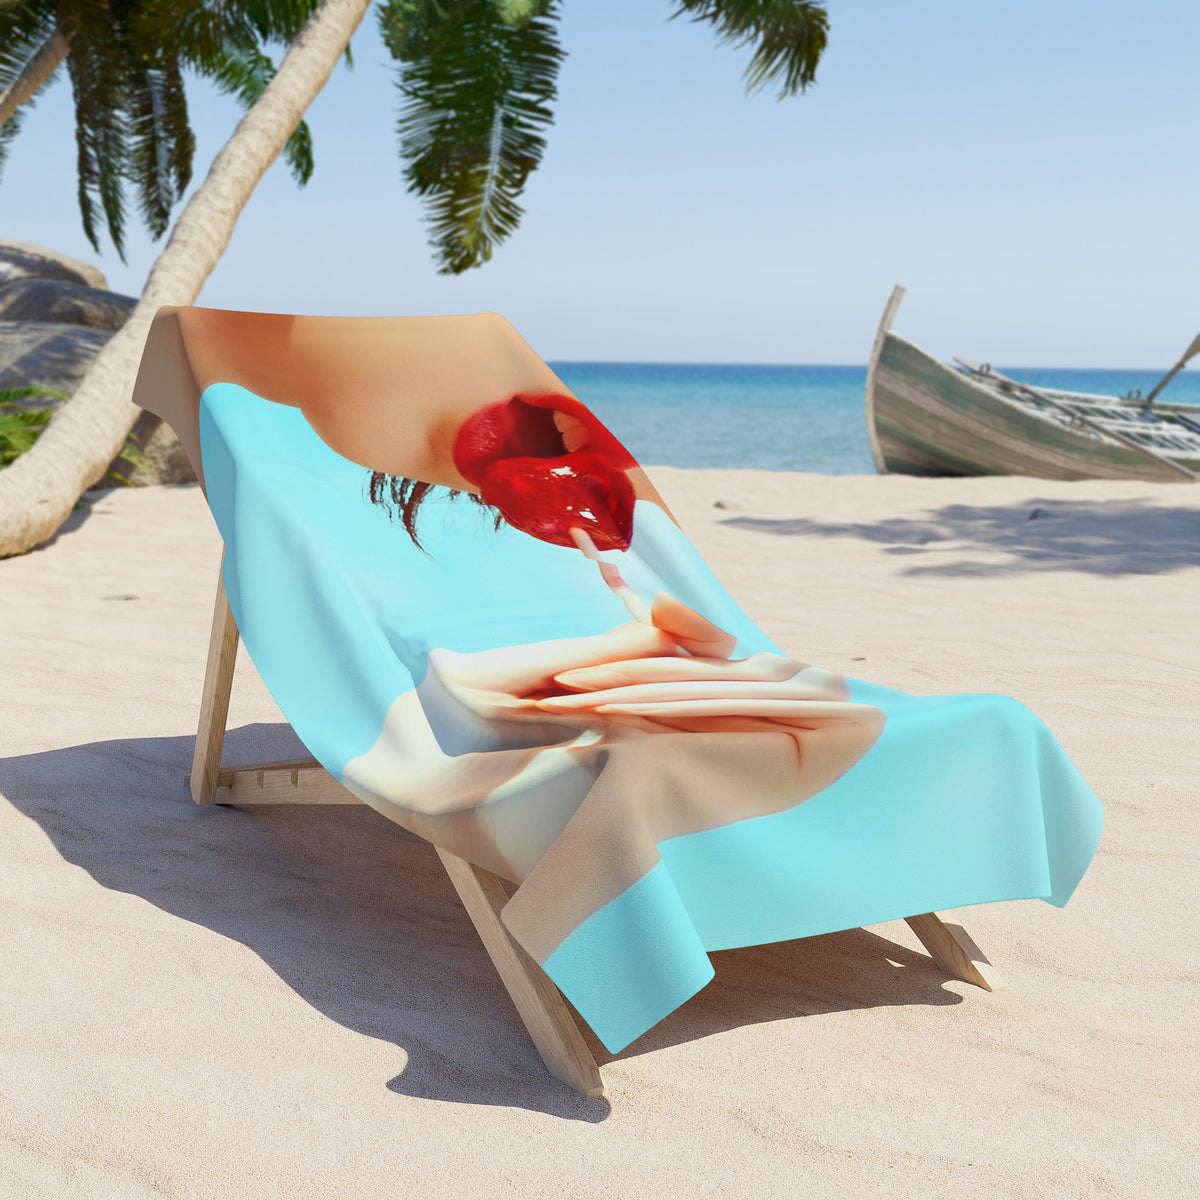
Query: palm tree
{"points": [[477, 78], [476, 84], [126, 63]]}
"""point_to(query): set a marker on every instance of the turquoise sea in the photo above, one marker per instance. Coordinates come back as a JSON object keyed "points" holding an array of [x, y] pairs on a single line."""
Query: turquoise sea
{"points": [[777, 418]]}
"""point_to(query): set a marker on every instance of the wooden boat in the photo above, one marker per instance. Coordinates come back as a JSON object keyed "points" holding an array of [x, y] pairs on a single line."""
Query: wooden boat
{"points": [[927, 418]]}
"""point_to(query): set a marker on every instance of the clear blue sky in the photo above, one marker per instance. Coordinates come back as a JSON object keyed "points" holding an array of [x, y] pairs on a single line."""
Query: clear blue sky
{"points": [[1028, 170]]}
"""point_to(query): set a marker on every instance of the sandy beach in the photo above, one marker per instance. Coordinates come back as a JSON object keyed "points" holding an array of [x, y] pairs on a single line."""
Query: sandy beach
{"points": [[211, 1002]]}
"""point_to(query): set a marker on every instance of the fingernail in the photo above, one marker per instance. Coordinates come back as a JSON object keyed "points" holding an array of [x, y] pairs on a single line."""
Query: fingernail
{"points": [[611, 575]]}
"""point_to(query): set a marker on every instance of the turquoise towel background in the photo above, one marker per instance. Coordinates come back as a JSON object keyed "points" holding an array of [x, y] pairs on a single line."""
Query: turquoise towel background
{"points": [[962, 800]]}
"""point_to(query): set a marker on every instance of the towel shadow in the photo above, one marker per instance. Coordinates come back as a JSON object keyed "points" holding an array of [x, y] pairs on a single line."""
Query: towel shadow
{"points": [[808, 977], [1099, 537], [358, 917]]}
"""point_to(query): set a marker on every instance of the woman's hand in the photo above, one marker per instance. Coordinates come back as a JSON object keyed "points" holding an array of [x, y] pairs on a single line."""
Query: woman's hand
{"points": [[701, 689], [675, 630], [675, 671]]}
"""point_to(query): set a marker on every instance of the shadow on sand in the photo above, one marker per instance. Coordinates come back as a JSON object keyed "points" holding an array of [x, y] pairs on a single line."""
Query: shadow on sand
{"points": [[358, 917], [1100, 537]]}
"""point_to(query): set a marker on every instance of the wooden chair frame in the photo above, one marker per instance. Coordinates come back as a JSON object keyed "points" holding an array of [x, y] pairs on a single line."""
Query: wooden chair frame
{"points": [[538, 1001]]}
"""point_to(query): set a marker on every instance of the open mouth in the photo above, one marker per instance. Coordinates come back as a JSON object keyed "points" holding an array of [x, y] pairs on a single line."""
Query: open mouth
{"points": [[548, 465]]}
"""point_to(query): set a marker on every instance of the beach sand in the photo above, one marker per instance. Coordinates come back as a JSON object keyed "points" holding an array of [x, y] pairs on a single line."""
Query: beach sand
{"points": [[210, 1002]]}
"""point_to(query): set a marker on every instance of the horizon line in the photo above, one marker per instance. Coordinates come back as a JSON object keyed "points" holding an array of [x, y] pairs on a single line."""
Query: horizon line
{"points": [[650, 362]]}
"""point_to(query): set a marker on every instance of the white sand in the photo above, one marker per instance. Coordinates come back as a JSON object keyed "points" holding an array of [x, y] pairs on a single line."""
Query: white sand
{"points": [[201, 1003]]}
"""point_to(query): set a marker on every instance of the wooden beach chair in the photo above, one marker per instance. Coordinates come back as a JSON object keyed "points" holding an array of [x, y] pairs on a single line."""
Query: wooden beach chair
{"points": [[538, 1001]]}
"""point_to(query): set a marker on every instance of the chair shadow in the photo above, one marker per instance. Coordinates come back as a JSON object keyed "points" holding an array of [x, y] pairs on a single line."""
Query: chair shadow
{"points": [[1099, 537], [357, 916], [807, 977]]}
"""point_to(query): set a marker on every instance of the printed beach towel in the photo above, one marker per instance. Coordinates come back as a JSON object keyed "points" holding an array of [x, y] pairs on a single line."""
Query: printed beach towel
{"points": [[479, 615]]}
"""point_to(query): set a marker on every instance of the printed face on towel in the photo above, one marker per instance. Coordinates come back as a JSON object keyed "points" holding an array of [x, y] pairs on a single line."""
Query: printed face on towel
{"points": [[458, 401], [656, 787]]}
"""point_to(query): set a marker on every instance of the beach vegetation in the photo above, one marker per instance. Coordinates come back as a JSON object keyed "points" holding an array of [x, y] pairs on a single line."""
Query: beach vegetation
{"points": [[20, 428], [127, 63], [476, 80]]}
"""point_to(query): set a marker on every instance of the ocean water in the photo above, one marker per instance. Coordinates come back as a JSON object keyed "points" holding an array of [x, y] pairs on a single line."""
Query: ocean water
{"points": [[777, 418]]}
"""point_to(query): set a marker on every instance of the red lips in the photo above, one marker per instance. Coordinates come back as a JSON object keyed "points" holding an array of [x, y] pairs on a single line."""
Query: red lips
{"points": [[516, 455]]}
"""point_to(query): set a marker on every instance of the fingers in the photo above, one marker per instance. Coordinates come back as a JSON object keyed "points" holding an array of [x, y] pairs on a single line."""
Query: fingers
{"points": [[762, 667], [522, 669], [675, 691], [630, 654], [805, 714], [694, 633]]}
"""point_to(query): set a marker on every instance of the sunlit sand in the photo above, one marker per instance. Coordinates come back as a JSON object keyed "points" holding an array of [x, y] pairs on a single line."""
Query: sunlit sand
{"points": [[292, 1003]]}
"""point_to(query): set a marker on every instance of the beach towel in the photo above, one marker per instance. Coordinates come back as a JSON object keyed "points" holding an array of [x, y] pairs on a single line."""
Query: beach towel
{"points": [[479, 615]]}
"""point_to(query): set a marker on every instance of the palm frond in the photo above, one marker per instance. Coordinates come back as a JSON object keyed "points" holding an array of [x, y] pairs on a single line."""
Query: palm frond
{"points": [[413, 29], [161, 142], [98, 68], [788, 36], [19, 428], [244, 71], [222, 41], [277, 20], [521, 12], [476, 93], [26, 392], [126, 64], [9, 130], [194, 32], [24, 30]]}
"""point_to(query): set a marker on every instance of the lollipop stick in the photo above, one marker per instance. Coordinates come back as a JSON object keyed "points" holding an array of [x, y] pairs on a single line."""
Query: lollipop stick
{"points": [[611, 576]]}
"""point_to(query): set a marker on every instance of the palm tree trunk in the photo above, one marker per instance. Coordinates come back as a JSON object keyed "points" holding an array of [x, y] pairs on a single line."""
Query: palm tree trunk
{"points": [[37, 71], [38, 491]]}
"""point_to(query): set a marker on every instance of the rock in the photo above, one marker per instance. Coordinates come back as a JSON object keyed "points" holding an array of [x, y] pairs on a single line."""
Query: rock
{"points": [[165, 461], [55, 300], [55, 315], [19, 260], [57, 357], [47, 354]]}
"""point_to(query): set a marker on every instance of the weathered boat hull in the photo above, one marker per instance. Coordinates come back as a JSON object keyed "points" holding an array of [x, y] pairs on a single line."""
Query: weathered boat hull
{"points": [[926, 418]]}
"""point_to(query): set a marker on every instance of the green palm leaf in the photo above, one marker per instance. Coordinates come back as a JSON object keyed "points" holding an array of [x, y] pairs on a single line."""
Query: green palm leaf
{"points": [[8, 131], [789, 37], [19, 427], [477, 78], [98, 69], [161, 143], [223, 41], [244, 71], [18, 432], [126, 64], [24, 29]]}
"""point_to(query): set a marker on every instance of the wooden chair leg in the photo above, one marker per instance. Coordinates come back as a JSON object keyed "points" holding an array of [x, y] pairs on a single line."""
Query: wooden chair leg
{"points": [[214, 706], [955, 951], [538, 1001]]}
